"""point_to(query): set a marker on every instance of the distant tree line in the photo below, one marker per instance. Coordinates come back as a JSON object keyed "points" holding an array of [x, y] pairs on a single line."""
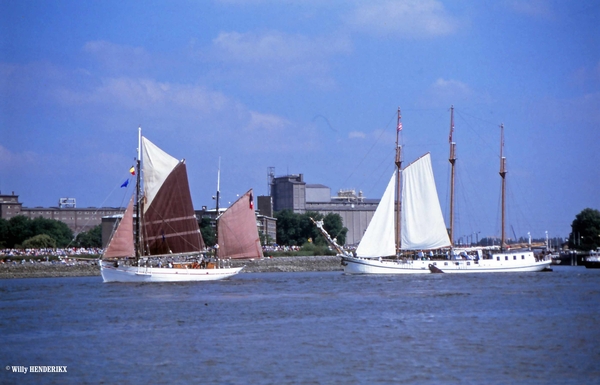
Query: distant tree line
{"points": [[297, 229], [585, 230], [23, 232]]}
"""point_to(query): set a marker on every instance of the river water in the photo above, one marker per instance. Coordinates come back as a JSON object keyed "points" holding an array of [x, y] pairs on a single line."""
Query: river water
{"points": [[307, 328]]}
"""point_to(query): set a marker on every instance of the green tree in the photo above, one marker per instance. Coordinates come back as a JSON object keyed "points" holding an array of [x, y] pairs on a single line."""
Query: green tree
{"points": [[296, 229], [207, 231], [19, 230], [58, 230], [3, 233], [90, 238], [40, 241], [335, 227], [287, 227], [585, 230]]}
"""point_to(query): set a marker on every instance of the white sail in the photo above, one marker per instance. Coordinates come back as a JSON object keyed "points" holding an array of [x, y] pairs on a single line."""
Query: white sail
{"points": [[157, 167], [379, 238], [422, 222]]}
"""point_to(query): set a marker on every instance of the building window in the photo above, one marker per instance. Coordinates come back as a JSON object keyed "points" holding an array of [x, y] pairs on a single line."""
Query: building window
{"points": [[506, 257]]}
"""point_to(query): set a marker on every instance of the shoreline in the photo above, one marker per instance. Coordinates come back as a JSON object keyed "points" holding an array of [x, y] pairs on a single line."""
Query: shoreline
{"points": [[88, 269]]}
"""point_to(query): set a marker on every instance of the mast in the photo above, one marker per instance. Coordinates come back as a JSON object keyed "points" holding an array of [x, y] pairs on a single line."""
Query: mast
{"points": [[452, 160], [138, 251], [217, 206], [398, 162], [503, 176]]}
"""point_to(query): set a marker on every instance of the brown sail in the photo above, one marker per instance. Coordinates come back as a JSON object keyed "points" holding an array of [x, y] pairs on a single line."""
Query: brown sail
{"points": [[237, 230], [121, 243], [169, 222]]}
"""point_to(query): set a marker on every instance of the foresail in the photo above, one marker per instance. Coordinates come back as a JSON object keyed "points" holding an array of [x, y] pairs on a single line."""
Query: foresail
{"points": [[121, 243], [157, 166], [379, 238], [169, 221], [238, 234], [422, 222]]}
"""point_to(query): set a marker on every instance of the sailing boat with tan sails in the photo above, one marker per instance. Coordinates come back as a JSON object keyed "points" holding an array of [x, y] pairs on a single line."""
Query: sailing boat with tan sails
{"points": [[162, 242]]}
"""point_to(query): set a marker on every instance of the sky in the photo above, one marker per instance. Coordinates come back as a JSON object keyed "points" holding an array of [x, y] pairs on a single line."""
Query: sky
{"points": [[307, 87]]}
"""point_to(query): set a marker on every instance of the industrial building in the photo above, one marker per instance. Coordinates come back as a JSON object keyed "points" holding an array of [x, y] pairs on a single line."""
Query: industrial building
{"points": [[293, 193], [78, 219]]}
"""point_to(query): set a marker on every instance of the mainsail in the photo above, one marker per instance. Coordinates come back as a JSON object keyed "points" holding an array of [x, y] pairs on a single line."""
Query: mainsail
{"points": [[169, 221], [121, 243], [237, 231], [423, 226], [422, 222], [379, 238]]}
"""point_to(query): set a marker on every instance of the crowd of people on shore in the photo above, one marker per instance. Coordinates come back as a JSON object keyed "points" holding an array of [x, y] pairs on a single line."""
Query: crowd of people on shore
{"points": [[72, 252]]}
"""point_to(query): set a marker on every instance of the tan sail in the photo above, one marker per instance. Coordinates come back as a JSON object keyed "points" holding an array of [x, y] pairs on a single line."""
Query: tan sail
{"points": [[237, 231], [169, 223], [121, 243]]}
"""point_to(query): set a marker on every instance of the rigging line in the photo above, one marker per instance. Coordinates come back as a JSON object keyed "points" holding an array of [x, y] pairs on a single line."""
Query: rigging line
{"points": [[383, 131], [384, 170], [486, 142], [96, 212]]}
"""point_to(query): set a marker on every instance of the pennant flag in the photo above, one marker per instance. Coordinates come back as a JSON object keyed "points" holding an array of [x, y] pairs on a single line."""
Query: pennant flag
{"points": [[126, 183], [132, 170], [399, 126]]}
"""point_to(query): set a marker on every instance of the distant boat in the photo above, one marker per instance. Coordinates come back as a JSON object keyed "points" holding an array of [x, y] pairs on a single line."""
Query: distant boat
{"points": [[165, 245], [407, 234], [592, 261]]}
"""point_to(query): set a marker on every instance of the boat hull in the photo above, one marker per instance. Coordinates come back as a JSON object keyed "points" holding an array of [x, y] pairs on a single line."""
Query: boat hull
{"points": [[504, 263], [110, 273]]}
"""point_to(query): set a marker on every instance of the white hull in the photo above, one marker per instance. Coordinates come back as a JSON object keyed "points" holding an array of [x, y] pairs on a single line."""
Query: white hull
{"points": [[501, 263], [110, 273]]}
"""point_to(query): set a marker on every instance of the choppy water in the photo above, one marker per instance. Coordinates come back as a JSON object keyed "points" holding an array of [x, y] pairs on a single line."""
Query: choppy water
{"points": [[274, 328]]}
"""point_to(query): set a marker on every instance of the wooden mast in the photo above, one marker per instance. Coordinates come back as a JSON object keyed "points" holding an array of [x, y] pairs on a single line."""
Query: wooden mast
{"points": [[452, 160], [503, 176], [398, 162], [138, 249], [217, 207]]}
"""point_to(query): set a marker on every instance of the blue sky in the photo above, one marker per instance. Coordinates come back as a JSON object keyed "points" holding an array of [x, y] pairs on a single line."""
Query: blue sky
{"points": [[307, 87]]}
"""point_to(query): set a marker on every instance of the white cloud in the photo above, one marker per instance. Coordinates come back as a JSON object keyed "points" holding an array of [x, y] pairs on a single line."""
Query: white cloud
{"points": [[357, 135], [535, 8], [116, 57], [409, 18], [13, 160], [147, 94], [455, 87], [273, 59], [444, 92], [586, 76], [266, 122]]}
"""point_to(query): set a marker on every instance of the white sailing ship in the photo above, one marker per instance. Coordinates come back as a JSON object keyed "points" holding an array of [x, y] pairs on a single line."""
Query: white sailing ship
{"points": [[407, 234], [166, 245]]}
